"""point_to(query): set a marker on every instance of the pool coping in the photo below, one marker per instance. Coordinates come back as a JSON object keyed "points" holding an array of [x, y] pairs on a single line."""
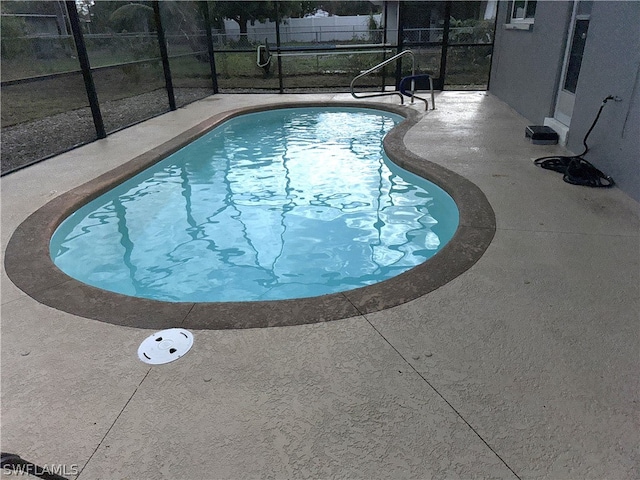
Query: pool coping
{"points": [[29, 266]]}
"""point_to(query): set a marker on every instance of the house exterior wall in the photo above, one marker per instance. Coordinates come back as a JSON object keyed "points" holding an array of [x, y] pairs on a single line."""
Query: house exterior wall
{"points": [[610, 66], [527, 66], [527, 63]]}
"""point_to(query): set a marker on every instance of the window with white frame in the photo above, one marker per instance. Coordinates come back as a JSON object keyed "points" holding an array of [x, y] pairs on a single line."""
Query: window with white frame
{"points": [[522, 11]]}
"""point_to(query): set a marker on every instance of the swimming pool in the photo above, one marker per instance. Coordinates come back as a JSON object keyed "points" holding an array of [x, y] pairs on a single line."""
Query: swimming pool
{"points": [[29, 266], [287, 203]]}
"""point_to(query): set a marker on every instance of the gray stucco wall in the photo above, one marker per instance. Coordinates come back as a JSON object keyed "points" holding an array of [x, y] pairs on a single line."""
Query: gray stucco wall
{"points": [[527, 66], [611, 66], [527, 63]]}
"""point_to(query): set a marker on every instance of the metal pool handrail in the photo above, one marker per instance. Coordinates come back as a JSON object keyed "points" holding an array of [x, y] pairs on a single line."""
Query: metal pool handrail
{"points": [[395, 92], [264, 54]]}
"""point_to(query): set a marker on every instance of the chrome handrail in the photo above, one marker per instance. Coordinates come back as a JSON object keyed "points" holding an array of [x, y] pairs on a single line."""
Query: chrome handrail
{"points": [[395, 92]]}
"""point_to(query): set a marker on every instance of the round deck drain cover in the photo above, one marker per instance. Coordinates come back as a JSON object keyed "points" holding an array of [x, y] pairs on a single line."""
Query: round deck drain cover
{"points": [[165, 346]]}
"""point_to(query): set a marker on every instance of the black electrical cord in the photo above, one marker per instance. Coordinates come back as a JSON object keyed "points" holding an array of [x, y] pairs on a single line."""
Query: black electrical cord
{"points": [[575, 169], [11, 461]]}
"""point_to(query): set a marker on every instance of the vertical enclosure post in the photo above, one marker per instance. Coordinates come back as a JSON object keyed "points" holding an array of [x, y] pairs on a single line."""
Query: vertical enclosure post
{"points": [[162, 43], [401, 13], [493, 43], [384, 42], [212, 60], [85, 66], [445, 45], [280, 83]]}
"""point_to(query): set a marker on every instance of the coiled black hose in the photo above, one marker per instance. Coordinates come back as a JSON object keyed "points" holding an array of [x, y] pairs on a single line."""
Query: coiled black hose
{"points": [[575, 169]]}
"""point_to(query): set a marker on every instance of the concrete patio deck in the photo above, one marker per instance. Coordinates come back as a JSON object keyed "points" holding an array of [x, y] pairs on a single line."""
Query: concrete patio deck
{"points": [[525, 366]]}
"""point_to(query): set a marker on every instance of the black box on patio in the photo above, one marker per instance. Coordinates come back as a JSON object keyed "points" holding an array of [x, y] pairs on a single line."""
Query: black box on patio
{"points": [[541, 135]]}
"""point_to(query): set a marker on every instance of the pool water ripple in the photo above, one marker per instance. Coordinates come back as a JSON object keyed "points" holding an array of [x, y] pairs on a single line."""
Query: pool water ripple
{"points": [[288, 203]]}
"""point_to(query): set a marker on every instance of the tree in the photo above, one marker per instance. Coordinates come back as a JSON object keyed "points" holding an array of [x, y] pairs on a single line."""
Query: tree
{"points": [[349, 8], [185, 20], [261, 11], [132, 17]]}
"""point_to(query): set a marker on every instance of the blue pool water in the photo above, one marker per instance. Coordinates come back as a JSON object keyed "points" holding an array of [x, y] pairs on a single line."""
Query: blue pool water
{"points": [[288, 203]]}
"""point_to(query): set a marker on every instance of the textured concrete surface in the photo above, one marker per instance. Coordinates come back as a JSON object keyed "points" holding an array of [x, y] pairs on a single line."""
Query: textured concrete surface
{"points": [[524, 366], [320, 406]]}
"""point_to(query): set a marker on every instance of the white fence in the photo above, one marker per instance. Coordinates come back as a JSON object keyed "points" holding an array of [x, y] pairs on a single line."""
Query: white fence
{"points": [[310, 29]]}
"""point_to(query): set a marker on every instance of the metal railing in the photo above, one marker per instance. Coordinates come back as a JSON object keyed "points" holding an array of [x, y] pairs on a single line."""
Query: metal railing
{"points": [[400, 93]]}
